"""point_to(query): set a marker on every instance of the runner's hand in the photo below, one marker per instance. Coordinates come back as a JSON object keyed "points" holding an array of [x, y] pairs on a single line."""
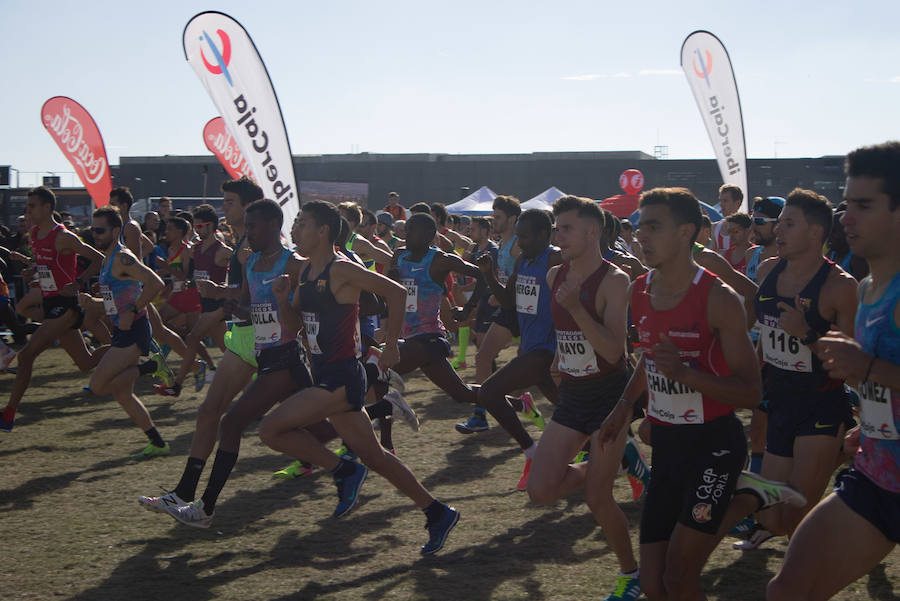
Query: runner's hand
{"points": [[281, 288], [842, 356], [85, 300], [668, 359], [569, 291], [390, 355], [793, 319], [613, 424], [485, 263]]}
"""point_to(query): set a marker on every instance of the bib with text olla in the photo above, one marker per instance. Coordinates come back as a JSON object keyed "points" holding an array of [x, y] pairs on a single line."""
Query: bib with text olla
{"points": [[266, 328]]}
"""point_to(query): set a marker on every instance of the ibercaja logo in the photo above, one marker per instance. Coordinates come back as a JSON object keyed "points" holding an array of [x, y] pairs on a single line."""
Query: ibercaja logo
{"points": [[222, 57]]}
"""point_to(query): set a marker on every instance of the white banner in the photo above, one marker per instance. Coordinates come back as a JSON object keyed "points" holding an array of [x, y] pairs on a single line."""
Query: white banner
{"points": [[227, 62], [711, 78]]}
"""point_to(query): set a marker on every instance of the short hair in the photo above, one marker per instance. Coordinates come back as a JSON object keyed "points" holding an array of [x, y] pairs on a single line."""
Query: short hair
{"points": [[420, 207], [881, 161], [111, 215], [186, 215], [626, 224], [424, 220], [482, 222], [246, 189], [735, 191], [44, 194], [682, 203], [324, 213], [343, 232], [509, 205], [267, 209], [368, 218], [584, 207], [741, 219], [393, 195], [123, 195], [537, 220], [815, 207], [439, 212], [352, 211], [707, 222], [163, 199], [610, 226], [181, 224], [456, 220], [207, 213]]}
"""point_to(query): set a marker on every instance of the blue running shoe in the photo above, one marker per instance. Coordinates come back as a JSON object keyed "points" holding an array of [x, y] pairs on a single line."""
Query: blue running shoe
{"points": [[627, 589], [745, 526], [476, 423], [6, 426], [348, 490], [440, 530]]}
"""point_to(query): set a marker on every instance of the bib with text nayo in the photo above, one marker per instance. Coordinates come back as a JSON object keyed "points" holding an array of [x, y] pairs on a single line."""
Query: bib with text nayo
{"points": [[670, 401], [177, 285], [45, 278], [201, 274], [782, 350], [576, 355], [266, 328], [311, 323], [527, 292], [109, 301], [412, 295], [876, 411]]}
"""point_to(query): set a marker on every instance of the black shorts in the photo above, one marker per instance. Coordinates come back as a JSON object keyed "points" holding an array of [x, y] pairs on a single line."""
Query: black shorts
{"points": [[816, 414], [508, 319], [695, 470], [140, 334], [208, 305], [880, 507], [348, 373], [483, 316], [435, 347], [56, 306], [289, 356], [585, 402]]}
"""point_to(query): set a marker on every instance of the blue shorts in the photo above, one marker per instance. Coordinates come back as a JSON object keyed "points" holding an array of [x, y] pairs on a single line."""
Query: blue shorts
{"points": [[140, 334], [879, 507], [818, 414], [436, 348], [348, 373]]}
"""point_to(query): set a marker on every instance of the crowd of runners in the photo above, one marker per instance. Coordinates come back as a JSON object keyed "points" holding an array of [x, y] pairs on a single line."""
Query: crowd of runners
{"points": [[665, 329]]}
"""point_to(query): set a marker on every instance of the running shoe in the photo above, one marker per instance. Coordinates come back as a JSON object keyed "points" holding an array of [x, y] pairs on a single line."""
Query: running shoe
{"points": [[345, 453], [294, 470], [531, 411], [627, 589], [395, 381], [151, 450], [164, 390], [638, 471], [163, 371], [200, 376], [581, 457], [769, 492], [440, 530], [6, 426], [459, 363], [523, 481], [348, 490], [170, 499], [759, 536], [476, 423], [745, 526], [402, 410], [6, 357], [191, 514]]}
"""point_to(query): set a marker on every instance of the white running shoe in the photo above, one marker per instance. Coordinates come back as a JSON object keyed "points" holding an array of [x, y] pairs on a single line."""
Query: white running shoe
{"points": [[395, 380], [170, 499], [191, 514], [759, 536], [769, 492], [402, 410]]}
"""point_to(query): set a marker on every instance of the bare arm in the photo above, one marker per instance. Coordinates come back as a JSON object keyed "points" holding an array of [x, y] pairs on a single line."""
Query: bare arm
{"points": [[133, 269], [741, 284], [367, 250], [131, 234], [69, 243]]}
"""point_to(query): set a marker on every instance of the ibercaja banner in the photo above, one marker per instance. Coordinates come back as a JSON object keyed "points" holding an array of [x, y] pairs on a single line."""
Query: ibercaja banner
{"points": [[222, 144]]}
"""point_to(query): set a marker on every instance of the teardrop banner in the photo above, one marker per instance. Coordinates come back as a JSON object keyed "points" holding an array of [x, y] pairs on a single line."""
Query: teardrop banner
{"points": [[222, 144], [711, 78], [77, 135], [228, 64]]}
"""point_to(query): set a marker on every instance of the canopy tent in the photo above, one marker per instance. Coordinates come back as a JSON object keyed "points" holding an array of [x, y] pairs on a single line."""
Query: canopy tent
{"points": [[544, 201], [479, 202]]}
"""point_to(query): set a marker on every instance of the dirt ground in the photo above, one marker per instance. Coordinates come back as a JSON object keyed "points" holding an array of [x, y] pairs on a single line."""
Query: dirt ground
{"points": [[73, 530]]}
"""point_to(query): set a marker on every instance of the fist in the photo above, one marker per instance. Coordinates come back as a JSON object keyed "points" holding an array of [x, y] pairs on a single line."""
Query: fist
{"points": [[569, 291], [485, 263], [281, 287]]}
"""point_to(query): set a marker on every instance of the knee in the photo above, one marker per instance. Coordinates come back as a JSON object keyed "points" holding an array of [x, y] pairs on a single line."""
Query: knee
{"points": [[539, 492], [486, 396], [268, 434], [97, 386], [376, 459], [231, 427], [208, 411]]}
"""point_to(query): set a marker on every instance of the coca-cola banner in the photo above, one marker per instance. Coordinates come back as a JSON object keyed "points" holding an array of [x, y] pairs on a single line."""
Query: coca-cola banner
{"points": [[79, 138], [227, 62], [708, 69], [220, 143]]}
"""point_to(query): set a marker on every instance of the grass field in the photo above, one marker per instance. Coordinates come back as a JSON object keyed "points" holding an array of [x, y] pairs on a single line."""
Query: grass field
{"points": [[72, 528]]}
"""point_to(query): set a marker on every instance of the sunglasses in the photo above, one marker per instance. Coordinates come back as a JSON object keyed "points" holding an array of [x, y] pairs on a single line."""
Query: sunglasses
{"points": [[202, 224], [764, 220], [99, 230]]}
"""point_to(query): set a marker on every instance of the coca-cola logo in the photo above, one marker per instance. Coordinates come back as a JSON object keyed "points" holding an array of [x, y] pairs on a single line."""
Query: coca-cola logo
{"points": [[70, 136], [229, 153]]}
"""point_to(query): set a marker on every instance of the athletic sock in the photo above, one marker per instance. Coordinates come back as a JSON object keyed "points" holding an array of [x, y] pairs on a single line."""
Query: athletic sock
{"points": [[221, 469], [187, 486], [434, 512], [9, 414], [155, 439], [530, 451], [756, 462], [463, 344], [345, 468], [148, 367], [635, 573]]}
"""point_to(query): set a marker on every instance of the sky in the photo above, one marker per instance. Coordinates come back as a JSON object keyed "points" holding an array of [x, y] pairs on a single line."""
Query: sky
{"points": [[815, 78]]}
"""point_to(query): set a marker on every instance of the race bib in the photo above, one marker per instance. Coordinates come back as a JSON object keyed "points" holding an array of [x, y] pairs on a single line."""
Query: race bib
{"points": [[311, 324], [502, 277], [45, 278], [877, 411], [266, 327], [670, 401], [782, 350], [576, 355], [109, 301], [412, 295], [177, 285], [201, 274], [528, 292]]}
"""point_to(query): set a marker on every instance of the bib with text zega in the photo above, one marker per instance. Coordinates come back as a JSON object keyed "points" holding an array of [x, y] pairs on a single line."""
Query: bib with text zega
{"points": [[670, 401]]}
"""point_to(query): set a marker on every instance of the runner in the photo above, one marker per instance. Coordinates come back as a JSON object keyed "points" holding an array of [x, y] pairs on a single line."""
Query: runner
{"points": [[127, 286], [55, 250], [698, 364], [482, 245], [730, 199], [329, 303], [738, 225], [856, 527]]}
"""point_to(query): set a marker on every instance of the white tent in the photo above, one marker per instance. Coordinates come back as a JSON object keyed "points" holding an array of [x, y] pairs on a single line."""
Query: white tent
{"points": [[479, 202], [544, 201]]}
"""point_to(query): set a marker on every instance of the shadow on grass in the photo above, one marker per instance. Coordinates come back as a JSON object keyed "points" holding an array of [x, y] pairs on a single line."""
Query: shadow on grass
{"points": [[879, 587]]}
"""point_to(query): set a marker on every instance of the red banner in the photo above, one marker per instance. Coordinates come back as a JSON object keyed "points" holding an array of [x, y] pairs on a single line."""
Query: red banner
{"points": [[220, 143], [78, 136]]}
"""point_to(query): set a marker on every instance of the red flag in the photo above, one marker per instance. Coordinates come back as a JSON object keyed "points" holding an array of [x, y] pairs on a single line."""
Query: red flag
{"points": [[78, 136], [220, 143]]}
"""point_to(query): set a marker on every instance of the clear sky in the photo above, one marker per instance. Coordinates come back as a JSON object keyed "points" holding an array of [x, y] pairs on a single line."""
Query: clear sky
{"points": [[815, 78]]}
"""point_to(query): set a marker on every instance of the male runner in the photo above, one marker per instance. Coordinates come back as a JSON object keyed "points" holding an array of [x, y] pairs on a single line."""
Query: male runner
{"points": [[482, 244], [738, 225], [55, 249], [730, 199], [852, 530], [328, 299]]}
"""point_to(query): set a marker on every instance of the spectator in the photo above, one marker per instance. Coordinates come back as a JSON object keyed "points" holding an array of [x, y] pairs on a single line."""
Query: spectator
{"points": [[394, 208]]}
